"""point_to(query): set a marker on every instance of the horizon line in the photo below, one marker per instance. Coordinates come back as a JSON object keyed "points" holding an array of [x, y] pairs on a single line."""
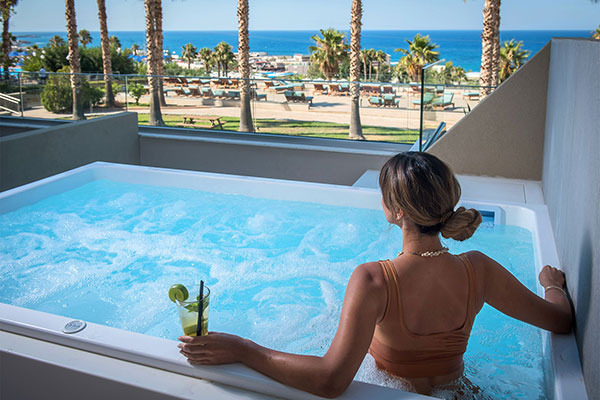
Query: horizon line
{"points": [[305, 30]]}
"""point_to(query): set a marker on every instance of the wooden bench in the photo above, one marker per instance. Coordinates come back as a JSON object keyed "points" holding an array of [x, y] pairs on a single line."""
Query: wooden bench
{"points": [[190, 121]]}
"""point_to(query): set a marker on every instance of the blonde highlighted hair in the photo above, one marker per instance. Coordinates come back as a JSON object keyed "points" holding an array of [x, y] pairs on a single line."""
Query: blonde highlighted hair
{"points": [[426, 190]]}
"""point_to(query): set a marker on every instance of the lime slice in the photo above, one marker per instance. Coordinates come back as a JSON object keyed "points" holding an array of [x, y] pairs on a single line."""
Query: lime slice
{"points": [[179, 292]]}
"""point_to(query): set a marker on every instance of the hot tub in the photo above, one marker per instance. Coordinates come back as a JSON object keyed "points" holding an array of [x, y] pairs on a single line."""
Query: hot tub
{"points": [[562, 365]]}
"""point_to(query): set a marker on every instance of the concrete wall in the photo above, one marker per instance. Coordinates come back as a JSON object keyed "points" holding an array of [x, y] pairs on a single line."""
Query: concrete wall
{"points": [[36, 154], [503, 136], [10, 125], [61, 382], [571, 183], [305, 159]]}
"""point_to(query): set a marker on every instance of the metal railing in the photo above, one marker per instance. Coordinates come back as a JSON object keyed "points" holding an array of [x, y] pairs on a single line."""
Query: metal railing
{"points": [[389, 111], [12, 100]]}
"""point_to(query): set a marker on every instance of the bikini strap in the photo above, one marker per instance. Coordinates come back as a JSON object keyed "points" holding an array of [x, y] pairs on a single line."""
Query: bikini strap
{"points": [[390, 283], [471, 303]]}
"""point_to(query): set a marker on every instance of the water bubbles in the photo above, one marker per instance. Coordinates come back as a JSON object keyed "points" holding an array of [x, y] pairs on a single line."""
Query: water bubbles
{"points": [[107, 252]]}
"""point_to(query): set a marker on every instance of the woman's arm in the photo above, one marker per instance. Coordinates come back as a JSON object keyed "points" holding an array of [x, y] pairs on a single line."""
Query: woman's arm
{"points": [[326, 376], [505, 293]]}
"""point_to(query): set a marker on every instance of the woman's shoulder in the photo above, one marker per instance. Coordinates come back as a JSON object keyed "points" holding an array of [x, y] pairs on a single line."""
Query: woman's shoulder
{"points": [[370, 272]]}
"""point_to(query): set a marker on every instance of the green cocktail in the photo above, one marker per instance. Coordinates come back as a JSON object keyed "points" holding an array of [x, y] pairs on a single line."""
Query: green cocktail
{"points": [[188, 309]]}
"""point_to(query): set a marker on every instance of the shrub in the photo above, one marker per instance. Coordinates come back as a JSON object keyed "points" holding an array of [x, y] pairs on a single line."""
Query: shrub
{"points": [[58, 97], [136, 91]]}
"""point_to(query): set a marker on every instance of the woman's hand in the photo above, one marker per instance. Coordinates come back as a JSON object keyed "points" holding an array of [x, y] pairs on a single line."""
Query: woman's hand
{"points": [[214, 348], [550, 276]]}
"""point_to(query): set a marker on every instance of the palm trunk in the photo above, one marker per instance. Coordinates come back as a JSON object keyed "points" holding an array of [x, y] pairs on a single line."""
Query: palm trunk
{"points": [[106, 62], [246, 124], [490, 46], [5, 41], [355, 27], [153, 82], [365, 69], [74, 60], [496, 47], [160, 67]]}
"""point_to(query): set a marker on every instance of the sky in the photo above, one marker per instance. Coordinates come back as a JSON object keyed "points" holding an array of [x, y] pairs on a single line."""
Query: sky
{"points": [[128, 15]]}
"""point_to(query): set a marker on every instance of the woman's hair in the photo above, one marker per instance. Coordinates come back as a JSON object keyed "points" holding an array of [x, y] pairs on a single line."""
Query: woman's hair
{"points": [[426, 190]]}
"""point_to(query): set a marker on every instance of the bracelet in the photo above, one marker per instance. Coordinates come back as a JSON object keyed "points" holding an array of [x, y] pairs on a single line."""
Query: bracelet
{"points": [[554, 287]]}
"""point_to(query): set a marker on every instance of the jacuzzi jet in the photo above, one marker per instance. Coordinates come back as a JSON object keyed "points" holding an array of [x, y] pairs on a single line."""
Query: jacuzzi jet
{"points": [[74, 326]]}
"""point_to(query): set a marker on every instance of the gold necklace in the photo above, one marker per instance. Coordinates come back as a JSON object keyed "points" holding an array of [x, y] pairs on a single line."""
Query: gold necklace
{"points": [[435, 253]]}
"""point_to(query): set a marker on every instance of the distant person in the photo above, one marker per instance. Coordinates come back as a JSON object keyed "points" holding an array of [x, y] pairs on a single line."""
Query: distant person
{"points": [[43, 75], [413, 313]]}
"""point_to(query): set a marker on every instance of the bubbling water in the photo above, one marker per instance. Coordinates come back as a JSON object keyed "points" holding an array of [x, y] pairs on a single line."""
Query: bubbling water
{"points": [[107, 252]]}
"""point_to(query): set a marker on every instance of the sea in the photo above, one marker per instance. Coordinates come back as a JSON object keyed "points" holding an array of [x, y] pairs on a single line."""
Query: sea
{"points": [[462, 47]]}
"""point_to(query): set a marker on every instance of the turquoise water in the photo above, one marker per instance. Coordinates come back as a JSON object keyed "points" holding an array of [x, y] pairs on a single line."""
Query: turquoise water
{"points": [[107, 252], [462, 47]]}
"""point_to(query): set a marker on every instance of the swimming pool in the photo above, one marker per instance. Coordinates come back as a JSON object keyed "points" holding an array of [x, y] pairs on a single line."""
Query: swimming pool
{"points": [[228, 257]]}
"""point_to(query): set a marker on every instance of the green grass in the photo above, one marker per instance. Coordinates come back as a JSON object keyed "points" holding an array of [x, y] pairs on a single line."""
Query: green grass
{"points": [[303, 128]]}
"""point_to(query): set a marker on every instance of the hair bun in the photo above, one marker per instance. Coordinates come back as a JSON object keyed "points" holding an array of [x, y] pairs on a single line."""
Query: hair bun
{"points": [[461, 224]]}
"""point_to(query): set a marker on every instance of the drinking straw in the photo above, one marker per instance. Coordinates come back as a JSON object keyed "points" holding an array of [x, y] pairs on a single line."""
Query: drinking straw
{"points": [[200, 307]]}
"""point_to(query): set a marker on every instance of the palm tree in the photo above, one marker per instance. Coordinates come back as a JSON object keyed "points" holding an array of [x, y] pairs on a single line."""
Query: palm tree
{"points": [[246, 124], [421, 51], [355, 131], [56, 41], [114, 42], [134, 49], [329, 51], [106, 62], [365, 57], [85, 38], [152, 56], [207, 58], [189, 53], [158, 37], [223, 57], [596, 34], [490, 46], [381, 58], [512, 56], [74, 62], [372, 56], [6, 7]]}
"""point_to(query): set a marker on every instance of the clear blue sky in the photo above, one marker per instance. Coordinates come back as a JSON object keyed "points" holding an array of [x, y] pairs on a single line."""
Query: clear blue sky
{"points": [[48, 15]]}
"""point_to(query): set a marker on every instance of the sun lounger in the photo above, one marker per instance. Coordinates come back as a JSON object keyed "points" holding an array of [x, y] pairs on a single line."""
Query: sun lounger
{"points": [[414, 89], [219, 94], [427, 99], [171, 81], [336, 89], [234, 83], [232, 94], [443, 101], [258, 96], [194, 90], [375, 101], [297, 97], [389, 100], [182, 91], [471, 95], [206, 93], [387, 89], [319, 89], [370, 90]]}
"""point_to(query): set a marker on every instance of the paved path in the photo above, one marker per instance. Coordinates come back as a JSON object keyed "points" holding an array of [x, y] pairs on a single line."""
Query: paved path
{"points": [[334, 109]]}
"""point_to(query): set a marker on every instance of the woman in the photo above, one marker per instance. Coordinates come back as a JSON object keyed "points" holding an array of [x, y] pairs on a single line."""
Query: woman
{"points": [[414, 313]]}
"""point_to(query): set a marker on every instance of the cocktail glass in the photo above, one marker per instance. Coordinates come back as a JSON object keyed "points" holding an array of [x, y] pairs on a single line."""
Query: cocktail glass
{"points": [[188, 314]]}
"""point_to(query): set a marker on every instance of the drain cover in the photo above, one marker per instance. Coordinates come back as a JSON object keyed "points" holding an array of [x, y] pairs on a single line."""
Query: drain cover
{"points": [[74, 326]]}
